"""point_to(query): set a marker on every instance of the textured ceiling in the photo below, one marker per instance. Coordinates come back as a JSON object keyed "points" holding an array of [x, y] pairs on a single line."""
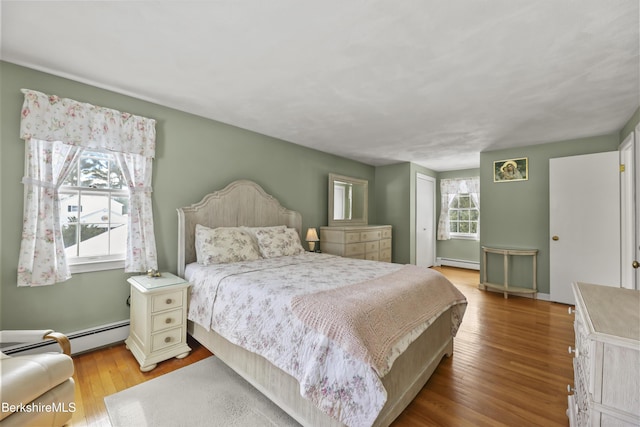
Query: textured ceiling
{"points": [[428, 81]]}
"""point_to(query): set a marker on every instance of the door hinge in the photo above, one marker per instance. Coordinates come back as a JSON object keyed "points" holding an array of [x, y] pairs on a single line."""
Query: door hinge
{"points": [[621, 167]]}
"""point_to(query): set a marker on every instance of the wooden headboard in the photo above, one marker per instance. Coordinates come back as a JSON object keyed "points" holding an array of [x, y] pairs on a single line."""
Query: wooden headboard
{"points": [[239, 203]]}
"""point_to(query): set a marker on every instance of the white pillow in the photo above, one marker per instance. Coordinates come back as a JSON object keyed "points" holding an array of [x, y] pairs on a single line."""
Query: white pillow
{"points": [[224, 245], [276, 242]]}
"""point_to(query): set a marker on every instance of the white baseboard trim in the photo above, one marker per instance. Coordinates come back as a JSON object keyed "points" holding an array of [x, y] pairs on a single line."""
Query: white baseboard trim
{"points": [[449, 262], [540, 296], [81, 341]]}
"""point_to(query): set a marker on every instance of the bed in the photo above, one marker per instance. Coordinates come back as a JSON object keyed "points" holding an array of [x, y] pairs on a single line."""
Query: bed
{"points": [[387, 384]]}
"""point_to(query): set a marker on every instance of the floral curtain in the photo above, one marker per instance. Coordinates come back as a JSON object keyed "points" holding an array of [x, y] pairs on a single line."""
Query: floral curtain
{"points": [[448, 190], [141, 241], [59, 128], [51, 118], [42, 258]]}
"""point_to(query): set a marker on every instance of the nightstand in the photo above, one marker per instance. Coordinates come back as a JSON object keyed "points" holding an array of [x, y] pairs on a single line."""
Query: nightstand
{"points": [[158, 329]]}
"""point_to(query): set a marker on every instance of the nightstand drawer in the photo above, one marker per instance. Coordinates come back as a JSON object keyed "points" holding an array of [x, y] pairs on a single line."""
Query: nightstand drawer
{"points": [[166, 301], [167, 339], [386, 233], [166, 320]]}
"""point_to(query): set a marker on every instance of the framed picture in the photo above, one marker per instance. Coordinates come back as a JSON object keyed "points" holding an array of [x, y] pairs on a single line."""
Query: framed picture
{"points": [[511, 170]]}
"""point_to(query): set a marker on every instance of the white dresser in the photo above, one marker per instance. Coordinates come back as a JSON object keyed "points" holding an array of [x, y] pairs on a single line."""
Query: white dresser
{"points": [[158, 329], [606, 365], [372, 242]]}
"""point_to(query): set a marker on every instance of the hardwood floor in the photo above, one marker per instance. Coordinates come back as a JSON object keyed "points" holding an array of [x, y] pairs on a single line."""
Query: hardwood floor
{"points": [[510, 367]]}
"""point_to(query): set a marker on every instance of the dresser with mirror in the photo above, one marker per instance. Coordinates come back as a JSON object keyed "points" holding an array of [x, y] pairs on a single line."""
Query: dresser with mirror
{"points": [[349, 233]]}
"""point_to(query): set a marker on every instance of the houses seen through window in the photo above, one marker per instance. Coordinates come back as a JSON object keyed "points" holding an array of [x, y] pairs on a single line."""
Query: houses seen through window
{"points": [[94, 202], [463, 217]]}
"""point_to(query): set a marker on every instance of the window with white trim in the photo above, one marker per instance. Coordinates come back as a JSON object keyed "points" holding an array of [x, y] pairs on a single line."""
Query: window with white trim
{"points": [[464, 217], [94, 202], [57, 131], [462, 196]]}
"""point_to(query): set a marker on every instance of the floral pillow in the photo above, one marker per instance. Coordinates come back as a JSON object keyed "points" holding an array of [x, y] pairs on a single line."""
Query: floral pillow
{"points": [[253, 230], [276, 242], [224, 245]]}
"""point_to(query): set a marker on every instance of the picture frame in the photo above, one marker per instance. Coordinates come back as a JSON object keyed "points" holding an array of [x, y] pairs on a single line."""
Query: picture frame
{"points": [[511, 170]]}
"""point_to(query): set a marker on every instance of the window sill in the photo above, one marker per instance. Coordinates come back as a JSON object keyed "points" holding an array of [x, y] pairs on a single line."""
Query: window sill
{"points": [[465, 237], [98, 265]]}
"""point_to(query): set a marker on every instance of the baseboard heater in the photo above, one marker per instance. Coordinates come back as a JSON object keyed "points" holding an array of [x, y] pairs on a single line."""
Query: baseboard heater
{"points": [[450, 262], [81, 341]]}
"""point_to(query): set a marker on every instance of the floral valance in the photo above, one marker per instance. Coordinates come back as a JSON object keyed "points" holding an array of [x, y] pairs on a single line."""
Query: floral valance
{"points": [[51, 118]]}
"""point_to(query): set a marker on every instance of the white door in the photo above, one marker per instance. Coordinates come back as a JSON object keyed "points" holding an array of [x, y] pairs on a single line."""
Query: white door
{"points": [[584, 222], [425, 220], [629, 242]]}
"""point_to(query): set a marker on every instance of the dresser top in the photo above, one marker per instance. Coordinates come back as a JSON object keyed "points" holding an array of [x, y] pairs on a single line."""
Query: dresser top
{"points": [[613, 311], [354, 227]]}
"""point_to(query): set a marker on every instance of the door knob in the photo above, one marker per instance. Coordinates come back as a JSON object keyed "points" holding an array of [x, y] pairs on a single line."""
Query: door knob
{"points": [[555, 238], [635, 264]]}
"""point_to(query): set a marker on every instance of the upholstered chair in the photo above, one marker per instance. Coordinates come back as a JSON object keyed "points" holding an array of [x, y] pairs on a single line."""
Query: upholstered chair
{"points": [[36, 389]]}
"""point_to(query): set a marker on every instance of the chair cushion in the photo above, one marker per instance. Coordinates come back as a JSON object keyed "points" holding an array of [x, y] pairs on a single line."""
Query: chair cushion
{"points": [[24, 378], [58, 407]]}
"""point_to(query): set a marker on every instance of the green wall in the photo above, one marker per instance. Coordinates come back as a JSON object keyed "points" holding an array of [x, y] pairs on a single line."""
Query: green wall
{"points": [[194, 157], [516, 214], [393, 199], [462, 249], [631, 125], [396, 205]]}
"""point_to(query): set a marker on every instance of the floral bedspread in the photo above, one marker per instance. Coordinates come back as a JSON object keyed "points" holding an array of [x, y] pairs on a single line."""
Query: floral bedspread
{"points": [[249, 304]]}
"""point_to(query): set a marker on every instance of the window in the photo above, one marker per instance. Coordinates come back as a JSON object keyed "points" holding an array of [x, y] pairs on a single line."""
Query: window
{"points": [[87, 183], [94, 202], [463, 217], [459, 208]]}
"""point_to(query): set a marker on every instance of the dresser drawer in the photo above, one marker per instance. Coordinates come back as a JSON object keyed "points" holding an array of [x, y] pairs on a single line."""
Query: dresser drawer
{"points": [[367, 241], [166, 301], [352, 237], [367, 236], [385, 244], [371, 247], [572, 411], [372, 256], [167, 339], [353, 249], [169, 319]]}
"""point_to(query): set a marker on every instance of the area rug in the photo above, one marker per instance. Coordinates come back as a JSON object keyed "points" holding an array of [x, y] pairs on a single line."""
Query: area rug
{"points": [[205, 393]]}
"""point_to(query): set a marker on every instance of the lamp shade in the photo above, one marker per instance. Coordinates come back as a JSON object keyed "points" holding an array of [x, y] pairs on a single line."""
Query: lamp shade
{"points": [[312, 235]]}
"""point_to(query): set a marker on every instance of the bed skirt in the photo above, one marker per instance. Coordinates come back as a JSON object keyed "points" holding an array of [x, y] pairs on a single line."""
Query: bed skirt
{"points": [[409, 373]]}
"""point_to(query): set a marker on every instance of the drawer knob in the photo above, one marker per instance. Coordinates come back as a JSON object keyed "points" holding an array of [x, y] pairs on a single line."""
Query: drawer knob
{"points": [[169, 301], [574, 350], [167, 339], [168, 320], [572, 310], [570, 389]]}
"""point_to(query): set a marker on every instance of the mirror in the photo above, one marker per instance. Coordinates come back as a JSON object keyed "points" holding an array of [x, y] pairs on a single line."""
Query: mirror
{"points": [[348, 200]]}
